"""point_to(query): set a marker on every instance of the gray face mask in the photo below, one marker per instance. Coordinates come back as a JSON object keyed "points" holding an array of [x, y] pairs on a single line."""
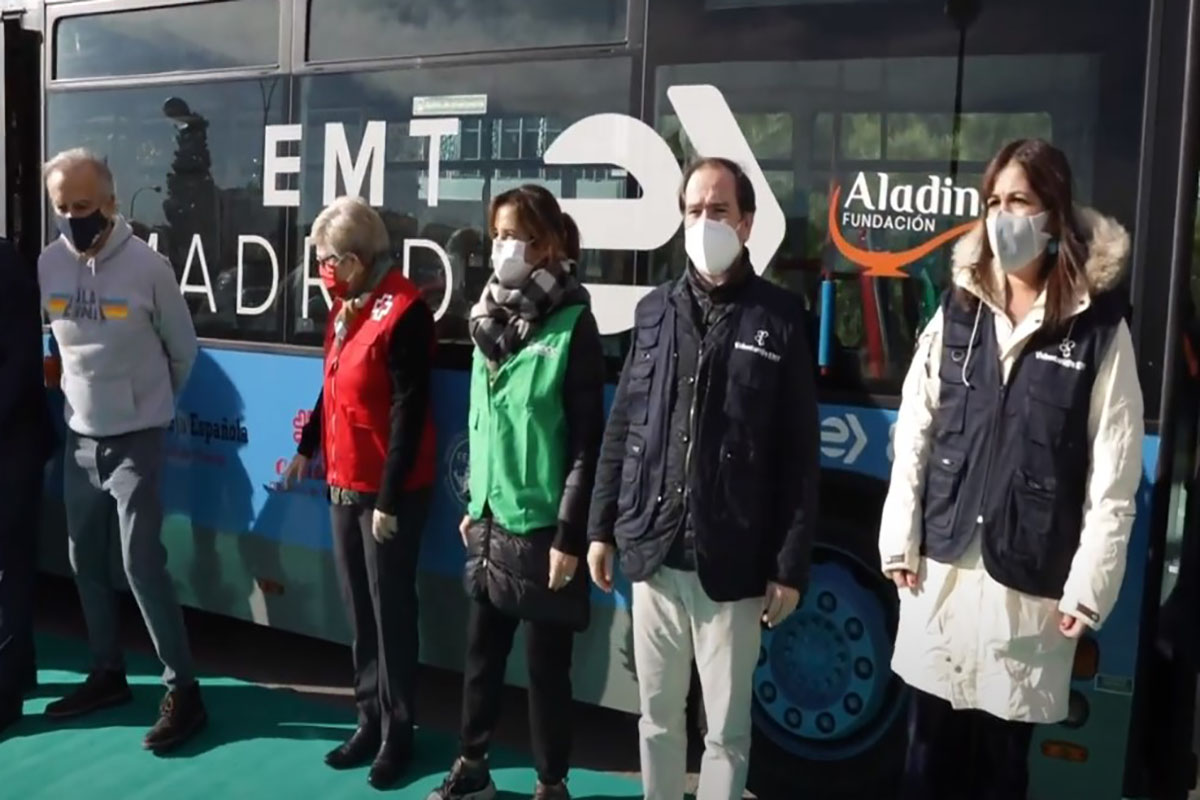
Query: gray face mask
{"points": [[1016, 241]]}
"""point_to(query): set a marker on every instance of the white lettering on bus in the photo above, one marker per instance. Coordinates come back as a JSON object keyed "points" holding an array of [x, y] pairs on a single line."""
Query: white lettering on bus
{"points": [[435, 129], [938, 196], [354, 172], [428, 244], [242, 308], [196, 250], [635, 223], [275, 165]]}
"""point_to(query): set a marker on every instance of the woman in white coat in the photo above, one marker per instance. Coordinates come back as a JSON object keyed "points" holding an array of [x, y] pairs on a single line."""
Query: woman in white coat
{"points": [[1017, 458]]}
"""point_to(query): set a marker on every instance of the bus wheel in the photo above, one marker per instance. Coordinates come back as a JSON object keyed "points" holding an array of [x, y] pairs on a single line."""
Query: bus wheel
{"points": [[827, 710]]}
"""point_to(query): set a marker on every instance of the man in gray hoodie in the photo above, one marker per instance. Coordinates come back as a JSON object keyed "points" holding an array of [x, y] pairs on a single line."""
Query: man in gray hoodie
{"points": [[127, 345]]}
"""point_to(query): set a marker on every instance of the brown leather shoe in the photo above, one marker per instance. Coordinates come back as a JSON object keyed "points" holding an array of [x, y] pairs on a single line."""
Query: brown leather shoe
{"points": [[181, 716]]}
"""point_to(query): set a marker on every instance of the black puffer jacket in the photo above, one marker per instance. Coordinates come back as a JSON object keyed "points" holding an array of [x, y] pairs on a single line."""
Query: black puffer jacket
{"points": [[512, 571]]}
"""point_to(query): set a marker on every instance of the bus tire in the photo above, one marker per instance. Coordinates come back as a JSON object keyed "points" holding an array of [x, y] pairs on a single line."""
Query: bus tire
{"points": [[860, 755]]}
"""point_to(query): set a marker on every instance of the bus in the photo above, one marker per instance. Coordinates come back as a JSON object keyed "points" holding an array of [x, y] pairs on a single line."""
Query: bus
{"points": [[865, 126]]}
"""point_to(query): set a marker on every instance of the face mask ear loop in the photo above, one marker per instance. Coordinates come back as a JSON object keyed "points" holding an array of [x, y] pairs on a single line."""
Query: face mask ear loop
{"points": [[971, 344]]}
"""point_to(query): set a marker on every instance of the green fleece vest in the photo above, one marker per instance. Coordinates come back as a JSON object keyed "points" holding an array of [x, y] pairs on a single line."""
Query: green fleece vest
{"points": [[518, 429]]}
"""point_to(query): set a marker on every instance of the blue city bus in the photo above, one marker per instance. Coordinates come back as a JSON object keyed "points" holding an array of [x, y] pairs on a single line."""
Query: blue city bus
{"points": [[865, 126]]}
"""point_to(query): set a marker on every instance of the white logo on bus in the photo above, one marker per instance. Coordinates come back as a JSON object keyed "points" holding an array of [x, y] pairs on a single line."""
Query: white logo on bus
{"points": [[843, 438], [636, 223]]}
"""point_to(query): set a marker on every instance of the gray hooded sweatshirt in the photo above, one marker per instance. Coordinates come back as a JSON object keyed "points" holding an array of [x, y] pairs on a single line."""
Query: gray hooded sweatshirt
{"points": [[123, 330]]}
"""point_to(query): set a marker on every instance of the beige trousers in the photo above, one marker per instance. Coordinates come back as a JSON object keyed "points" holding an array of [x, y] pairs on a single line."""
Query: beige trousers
{"points": [[674, 621]]}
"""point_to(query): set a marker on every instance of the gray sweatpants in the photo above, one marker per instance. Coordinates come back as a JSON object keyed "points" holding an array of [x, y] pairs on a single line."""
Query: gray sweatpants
{"points": [[125, 472]]}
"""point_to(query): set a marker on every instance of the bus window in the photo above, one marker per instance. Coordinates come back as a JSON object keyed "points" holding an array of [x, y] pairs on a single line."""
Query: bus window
{"points": [[187, 160], [505, 116], [221, 35], [340, 30], [876, 133]]}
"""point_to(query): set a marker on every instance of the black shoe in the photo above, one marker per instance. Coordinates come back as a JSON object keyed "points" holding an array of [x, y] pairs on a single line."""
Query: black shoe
{"points": [[10, 712], [466, 781], [551, 791], [100, 690], [181, 716], [356, 751], [391, 763]]}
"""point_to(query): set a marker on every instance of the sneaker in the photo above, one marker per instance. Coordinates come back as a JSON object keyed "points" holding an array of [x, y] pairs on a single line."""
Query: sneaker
{"points": [[556, 791], [467, 781], [100, 690], [181, 716]]}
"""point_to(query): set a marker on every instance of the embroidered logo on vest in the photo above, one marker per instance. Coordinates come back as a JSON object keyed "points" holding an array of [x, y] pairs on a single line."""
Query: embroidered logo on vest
{"points": [[1066, 347], [759, 347], [382, 306]]}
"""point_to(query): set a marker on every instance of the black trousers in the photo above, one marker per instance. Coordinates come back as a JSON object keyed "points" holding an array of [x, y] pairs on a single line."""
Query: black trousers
{"points": [[548, 650], [379, 589], [963, 755], [20, 511]]}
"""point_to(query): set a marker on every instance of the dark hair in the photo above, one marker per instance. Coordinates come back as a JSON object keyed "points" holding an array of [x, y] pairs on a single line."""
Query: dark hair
{"points": [[744, 189], [539, 213], [1049, 175]]}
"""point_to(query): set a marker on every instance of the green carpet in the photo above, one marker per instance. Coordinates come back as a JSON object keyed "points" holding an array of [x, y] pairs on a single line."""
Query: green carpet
{"points": [[259, 743]]}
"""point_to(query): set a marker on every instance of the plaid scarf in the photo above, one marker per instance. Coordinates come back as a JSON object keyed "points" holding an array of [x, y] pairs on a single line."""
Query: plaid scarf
{"points": [[503, 319]]}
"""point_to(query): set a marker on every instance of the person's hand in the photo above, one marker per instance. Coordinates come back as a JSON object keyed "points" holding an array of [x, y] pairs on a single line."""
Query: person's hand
{"points": [[383, 526], [294, 472], [562, 568], [904, 578], [779, 602], [1071, 627], [463, 527], [600, 564]]}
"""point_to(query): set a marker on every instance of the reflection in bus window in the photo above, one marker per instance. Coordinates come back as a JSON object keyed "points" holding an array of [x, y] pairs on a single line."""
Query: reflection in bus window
{"points": [[219, 35], [359, 29], [879, 134], [187, 161], [507, 116]]}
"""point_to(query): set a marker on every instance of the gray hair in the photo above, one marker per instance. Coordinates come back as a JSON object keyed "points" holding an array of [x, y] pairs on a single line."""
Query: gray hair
{"points": [[70, 159], [350, 226]]}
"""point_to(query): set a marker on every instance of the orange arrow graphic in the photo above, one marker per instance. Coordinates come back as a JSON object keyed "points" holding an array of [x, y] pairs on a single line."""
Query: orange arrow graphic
{"points": [[885, 265]]}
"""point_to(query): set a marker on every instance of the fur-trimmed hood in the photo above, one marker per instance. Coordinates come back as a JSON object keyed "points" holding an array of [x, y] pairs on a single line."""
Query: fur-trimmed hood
{"points": [[1106, 239]]}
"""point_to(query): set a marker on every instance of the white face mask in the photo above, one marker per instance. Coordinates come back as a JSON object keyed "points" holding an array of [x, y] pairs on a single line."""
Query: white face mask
{"points": [[1016, 241], [712, 245], [508, 261]]}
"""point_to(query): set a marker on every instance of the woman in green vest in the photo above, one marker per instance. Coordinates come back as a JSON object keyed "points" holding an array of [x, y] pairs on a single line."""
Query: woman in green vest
{"points": [[536, 421]]}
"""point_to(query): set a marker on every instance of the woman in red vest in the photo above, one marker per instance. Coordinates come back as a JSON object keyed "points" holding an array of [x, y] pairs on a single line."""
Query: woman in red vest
{"points": [[374, 421]]}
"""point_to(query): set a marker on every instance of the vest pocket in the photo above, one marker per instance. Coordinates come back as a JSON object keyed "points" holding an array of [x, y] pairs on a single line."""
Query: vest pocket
{"points": [[637, 390], [630, 497], [739, 483], [942, 480], [951, 413], [1031, 517], [1046, 409]]}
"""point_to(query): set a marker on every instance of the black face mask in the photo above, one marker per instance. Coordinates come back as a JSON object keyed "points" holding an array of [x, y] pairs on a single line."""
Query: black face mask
{"points": [[83, 231]]}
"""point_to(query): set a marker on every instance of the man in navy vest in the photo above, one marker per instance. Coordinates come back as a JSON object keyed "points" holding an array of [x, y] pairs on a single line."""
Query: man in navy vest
{"points": [[27, 437], [707, 483]]}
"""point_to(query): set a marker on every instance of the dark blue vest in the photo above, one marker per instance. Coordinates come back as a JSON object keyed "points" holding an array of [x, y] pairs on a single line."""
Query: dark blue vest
{"points": [[733, 486], [1010, 463]]}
